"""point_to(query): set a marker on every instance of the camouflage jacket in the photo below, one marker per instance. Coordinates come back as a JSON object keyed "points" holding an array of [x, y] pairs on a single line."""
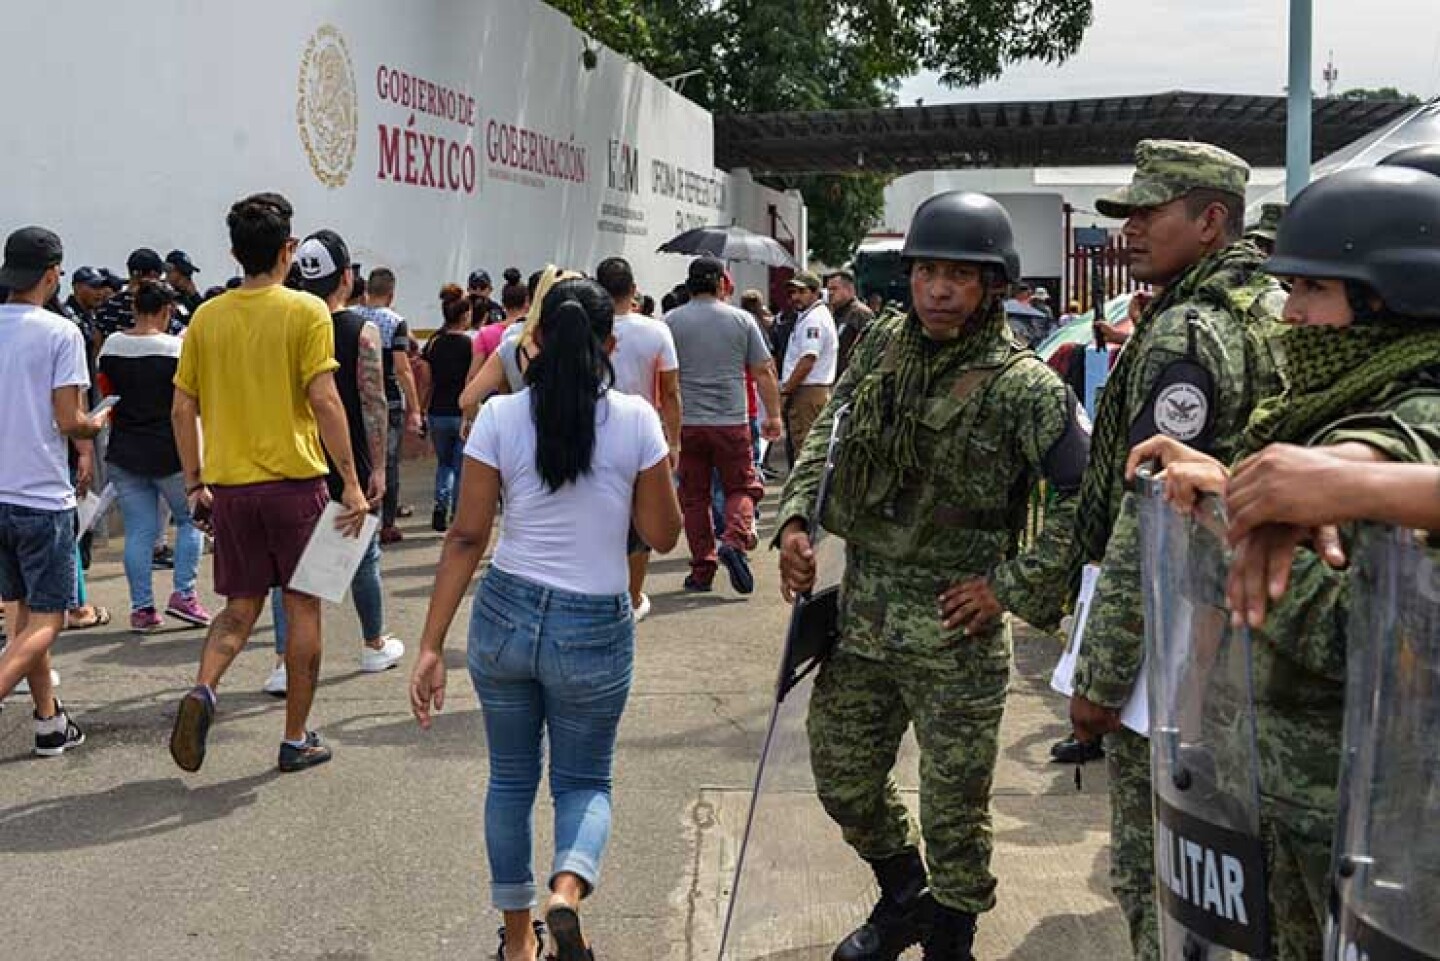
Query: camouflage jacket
{"points": [[1205, 364], [989, 430], [1299, 655]]}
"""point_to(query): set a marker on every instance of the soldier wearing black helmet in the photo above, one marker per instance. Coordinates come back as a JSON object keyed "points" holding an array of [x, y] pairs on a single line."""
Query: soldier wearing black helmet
{"points": [[952, 424], [1361, 250]]}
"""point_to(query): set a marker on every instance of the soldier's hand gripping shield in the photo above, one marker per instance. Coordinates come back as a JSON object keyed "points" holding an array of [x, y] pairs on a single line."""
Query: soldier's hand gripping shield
{"points": [[1386, 903], [779, 907], [1209, 860]]}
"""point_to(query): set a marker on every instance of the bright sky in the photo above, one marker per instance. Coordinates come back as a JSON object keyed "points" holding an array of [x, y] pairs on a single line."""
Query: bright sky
{"points": [[1222, 46]]}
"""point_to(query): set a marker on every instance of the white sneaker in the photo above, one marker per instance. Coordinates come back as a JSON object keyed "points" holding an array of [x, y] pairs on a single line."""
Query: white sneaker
{"points": [[24, 686], [642, 610], [277, 683], [374, 661]]}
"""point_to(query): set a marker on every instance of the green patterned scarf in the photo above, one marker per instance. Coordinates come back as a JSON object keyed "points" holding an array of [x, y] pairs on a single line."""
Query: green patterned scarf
{"points": [[1212, 278], [1335, 371], [886, 410]]}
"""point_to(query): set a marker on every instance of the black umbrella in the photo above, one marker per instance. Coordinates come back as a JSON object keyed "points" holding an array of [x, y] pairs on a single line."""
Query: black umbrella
{"points": [[730, 243]]}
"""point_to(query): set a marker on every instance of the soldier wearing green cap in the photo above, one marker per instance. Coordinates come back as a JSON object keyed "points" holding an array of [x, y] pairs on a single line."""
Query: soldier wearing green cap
{"points": [[1262, 232], [1199, 361]]}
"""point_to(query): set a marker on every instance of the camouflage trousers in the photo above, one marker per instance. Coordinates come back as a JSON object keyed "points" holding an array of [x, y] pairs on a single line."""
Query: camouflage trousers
{"points": [[1298, 842], [1132, 839], [860, 710]]}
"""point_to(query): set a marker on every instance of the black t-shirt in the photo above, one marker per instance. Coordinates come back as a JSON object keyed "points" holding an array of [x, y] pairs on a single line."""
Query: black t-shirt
{"points": [[348, 325], [140, 368], [449, 355]]}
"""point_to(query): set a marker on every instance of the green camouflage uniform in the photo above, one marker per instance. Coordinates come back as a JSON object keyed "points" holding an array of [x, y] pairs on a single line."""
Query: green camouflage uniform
{"points": [[977, 430], [1199, 361], [1376, 384]]}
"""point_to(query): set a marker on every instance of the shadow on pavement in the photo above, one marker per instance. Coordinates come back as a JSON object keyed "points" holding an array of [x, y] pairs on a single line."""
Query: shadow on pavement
{"points": [[137, 809]]}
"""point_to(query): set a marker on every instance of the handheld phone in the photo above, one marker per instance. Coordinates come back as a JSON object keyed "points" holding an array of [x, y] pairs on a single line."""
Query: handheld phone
{"points": [[105, 405]]}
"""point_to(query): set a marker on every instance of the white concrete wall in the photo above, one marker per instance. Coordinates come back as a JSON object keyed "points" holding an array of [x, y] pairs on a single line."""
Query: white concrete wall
{"points": [[144, 129]]}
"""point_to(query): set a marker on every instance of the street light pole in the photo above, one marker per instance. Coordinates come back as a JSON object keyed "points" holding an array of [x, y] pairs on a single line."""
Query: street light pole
{"points": [[1298, 120]]}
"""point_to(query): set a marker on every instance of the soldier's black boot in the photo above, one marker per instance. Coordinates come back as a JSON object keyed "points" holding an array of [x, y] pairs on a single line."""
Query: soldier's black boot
{"points": [[901, 916], [951, 936]]}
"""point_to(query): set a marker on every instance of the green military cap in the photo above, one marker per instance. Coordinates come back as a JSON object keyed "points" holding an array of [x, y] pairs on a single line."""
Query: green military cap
{"points": [[804, 279], [1269, 223], [1167, 169]]}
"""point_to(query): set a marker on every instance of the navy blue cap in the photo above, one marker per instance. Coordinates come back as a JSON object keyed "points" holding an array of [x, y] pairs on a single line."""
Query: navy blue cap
{"points": [[143, 260], [479, 278], [181, 261], [111, 279], [89, 277]]}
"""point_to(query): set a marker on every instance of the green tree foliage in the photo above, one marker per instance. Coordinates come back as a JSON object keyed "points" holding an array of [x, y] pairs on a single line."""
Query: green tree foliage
{"points": [[1379, 93], [761, 56]]}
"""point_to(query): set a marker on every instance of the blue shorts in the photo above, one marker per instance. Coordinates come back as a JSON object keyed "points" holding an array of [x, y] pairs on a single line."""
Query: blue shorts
{"points": [[37, 558]]}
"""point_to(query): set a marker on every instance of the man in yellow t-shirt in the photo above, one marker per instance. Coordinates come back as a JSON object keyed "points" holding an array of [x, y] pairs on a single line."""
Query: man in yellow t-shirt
{"points": [[256, 370]]}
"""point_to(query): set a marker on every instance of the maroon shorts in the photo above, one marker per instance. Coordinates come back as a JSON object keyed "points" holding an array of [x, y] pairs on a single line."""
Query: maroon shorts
{"points": [[260, 532]]}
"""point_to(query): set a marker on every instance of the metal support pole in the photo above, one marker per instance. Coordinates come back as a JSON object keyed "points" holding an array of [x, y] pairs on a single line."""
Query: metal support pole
{"points": [[1297, 123]]}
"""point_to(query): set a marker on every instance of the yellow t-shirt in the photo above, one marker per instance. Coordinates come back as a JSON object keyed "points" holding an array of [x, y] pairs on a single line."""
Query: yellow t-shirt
{"points": [[247, 358]]}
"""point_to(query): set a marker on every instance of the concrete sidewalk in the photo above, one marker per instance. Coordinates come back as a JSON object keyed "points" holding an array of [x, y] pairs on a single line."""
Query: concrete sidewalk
{"points": [[112, 852]]}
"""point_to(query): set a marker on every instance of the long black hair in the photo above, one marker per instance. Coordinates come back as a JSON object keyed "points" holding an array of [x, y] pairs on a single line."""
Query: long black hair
{"points": [[568, 377]]}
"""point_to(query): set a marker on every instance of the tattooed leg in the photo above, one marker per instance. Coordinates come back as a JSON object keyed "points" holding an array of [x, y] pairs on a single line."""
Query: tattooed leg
{"points": [[228, 633]]}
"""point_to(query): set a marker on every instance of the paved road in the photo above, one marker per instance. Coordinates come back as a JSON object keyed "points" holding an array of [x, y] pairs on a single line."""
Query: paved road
{"points": [[110, 852]]}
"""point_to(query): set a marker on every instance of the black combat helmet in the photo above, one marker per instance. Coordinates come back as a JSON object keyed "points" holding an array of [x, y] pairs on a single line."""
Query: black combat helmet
{"points": [[963, 225], [1424, 157], [1379, 226]]}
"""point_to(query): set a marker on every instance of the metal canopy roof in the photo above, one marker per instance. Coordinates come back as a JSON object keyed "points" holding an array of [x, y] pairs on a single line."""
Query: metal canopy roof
{"points": [[1035, 133]]}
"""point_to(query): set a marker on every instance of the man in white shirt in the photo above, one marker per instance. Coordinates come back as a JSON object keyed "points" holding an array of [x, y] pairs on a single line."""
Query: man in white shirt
{"points": [[811, 359], [646, 366], [43, 382]]}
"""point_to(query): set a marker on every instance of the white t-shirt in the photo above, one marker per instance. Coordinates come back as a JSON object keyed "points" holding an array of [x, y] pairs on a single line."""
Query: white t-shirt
{"points": [[643, 348], [814, 336], [39, 353], [572, 539]]}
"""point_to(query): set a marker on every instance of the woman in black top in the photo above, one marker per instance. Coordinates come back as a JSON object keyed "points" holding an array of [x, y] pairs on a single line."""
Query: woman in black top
{"points": [[449, 353], [138, 365]]}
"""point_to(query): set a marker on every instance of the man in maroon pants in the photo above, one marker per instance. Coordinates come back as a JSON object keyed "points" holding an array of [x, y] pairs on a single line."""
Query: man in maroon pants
{"points": [[716, 343]]}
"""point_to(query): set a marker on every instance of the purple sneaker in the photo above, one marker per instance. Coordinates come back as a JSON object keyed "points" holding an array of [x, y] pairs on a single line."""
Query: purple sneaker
{"points": [[145, 621], [186, 607]]}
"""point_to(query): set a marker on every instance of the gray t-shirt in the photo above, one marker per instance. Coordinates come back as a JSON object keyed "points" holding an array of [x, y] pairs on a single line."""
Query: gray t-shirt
{"points": [[715, 343]]}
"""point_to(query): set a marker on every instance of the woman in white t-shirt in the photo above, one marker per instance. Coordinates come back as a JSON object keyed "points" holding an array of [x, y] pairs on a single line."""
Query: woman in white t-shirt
{"points": [[552, 638]]}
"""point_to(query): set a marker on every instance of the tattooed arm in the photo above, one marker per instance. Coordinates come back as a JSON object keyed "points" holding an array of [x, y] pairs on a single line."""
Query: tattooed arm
{"points": [[370, 376]]}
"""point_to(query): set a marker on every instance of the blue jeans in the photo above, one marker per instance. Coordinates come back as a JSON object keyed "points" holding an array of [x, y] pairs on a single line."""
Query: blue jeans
{"points": [[548, 662], [365, 591], [139, 499], [38, 558], [445, 435]]}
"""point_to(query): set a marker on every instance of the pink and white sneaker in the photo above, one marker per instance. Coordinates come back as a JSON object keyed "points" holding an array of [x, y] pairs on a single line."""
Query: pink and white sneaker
{"points": [[145, 621], [186, 607]]}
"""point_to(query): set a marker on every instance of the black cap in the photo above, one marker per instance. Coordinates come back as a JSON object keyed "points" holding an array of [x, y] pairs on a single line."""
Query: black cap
{"points": [[321, 258], [29, 252], [143, 260], [709, 269], [111, 279], [181, 261], [88, 277], [479, 278]]}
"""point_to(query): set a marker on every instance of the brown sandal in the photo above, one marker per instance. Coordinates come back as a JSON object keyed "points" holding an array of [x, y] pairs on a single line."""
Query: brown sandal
{"points": [[100, 616]]}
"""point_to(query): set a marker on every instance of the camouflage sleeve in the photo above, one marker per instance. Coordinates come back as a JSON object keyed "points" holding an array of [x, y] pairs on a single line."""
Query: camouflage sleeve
{"points": [[1308, 624], [1109, 661], [1407, 434], [803, 485], [1054, 444], [1186, 386]]}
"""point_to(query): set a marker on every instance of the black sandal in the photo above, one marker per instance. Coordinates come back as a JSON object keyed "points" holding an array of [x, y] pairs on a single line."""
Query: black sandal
{"points": [[564, 924], [539, 942]]}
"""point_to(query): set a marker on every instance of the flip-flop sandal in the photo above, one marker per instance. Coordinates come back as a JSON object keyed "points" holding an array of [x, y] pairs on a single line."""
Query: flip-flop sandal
{"points": [[101, 618]]}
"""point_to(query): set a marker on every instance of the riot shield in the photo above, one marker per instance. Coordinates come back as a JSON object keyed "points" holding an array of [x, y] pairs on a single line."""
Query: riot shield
{"points": [[797, 888], [1209, 860], [1386, 904]]}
